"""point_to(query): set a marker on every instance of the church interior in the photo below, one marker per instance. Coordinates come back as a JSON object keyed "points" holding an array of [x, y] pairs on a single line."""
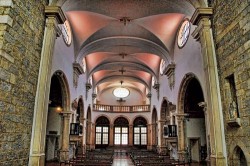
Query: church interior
{"points": [[125, 82]]}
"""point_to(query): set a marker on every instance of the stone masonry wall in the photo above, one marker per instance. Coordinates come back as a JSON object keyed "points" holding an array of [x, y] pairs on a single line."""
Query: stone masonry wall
{"points": [[231, 23], [21, 36]]}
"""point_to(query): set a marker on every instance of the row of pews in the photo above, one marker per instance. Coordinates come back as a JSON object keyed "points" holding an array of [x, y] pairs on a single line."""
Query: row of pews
{"points": [[92, 158], [139, 157], [151, 158]]}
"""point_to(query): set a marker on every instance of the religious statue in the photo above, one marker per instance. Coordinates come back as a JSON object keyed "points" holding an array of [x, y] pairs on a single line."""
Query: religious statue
{"points": [[233, 110]]}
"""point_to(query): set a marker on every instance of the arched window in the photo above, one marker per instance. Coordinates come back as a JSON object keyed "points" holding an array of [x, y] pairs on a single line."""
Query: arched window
{"points": [[140, 132], [102, 132], [121, 131]]}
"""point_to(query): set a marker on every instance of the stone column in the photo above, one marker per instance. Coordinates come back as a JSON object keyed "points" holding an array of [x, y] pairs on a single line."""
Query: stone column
{"points": [[149, 137], [203, 32], [130, 135], [181, 136], [92, 136], [111, 135], [162, 148], [64, 151], [82, 143], [204, 106], [153, 136], [54, 16], [88, 134]]}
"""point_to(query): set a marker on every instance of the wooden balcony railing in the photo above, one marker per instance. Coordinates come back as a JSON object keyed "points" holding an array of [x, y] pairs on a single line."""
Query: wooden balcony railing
{"points": [[118, 108]]}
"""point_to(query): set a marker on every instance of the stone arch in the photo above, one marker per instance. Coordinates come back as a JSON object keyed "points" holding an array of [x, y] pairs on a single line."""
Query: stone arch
{"points": [[191, 106], [140, 116], [164, 112], [154, 132], [65, 89], [102, 115], [88, 128], [121, 116], [182, 91], [235, 153], [80, 110], [59, 102], [121, 120]]}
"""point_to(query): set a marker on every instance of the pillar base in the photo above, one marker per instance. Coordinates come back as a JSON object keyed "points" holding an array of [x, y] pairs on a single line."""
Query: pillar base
{"points": [[64, 155], [37, 159], [217, 160], [149, 147], [162, 149], [182, 155]]}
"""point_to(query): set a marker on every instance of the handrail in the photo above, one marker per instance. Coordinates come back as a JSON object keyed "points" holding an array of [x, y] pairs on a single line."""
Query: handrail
{"points": [[120, 108]]}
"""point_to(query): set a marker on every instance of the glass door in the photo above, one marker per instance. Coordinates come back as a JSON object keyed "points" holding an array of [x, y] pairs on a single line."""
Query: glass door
{"points": [[121, 135]]}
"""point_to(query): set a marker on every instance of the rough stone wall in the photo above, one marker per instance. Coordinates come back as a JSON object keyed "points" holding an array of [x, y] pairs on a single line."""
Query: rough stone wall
{"points": [[231, 23], [21, 36]]}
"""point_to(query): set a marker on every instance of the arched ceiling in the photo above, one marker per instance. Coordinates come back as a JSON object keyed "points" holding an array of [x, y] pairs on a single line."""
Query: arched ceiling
{"points": [[125, 40]]}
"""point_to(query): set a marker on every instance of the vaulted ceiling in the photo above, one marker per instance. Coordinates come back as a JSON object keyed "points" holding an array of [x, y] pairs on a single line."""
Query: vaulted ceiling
{"points": [[125, 40]]}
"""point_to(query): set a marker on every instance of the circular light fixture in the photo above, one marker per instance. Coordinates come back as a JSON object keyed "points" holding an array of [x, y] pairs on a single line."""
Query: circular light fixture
{"points": [[121, 92]]}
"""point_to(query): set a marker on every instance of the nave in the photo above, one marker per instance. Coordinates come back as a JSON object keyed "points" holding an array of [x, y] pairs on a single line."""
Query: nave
{"points": [[122, 156]]}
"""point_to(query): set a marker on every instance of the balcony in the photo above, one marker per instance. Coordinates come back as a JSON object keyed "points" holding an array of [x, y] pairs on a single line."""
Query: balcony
{"points": [[118, 108]]}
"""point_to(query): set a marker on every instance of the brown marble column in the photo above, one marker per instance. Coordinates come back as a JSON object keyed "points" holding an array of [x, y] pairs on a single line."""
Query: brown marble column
{"points": [[111, 135], [92, 136], [149, 137], [130, 135]]}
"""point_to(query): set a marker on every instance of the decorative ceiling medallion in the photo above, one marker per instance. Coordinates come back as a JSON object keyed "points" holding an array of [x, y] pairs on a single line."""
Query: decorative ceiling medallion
{"points": [[121, 92], [183, 33], [66, 33], [162, 66]]}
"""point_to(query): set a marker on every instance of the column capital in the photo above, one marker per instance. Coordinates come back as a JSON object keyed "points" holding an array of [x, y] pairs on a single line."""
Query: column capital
{"points": [[201, 18], [181, 117], [55, 11], [66, 113], [201, 13]]}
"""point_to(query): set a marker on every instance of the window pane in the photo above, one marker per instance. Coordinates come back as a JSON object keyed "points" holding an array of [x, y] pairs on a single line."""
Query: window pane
{"points": [[124, 139], [98, 129], [143, 139], [105, 139], [117, 130], [143, 129], [136, 129], [124, 130], [98, 138], [105, 129], [136, 139], [117, 139]]}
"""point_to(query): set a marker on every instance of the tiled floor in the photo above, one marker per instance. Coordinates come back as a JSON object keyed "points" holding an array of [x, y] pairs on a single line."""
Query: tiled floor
{"points": [[121, 158]]}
